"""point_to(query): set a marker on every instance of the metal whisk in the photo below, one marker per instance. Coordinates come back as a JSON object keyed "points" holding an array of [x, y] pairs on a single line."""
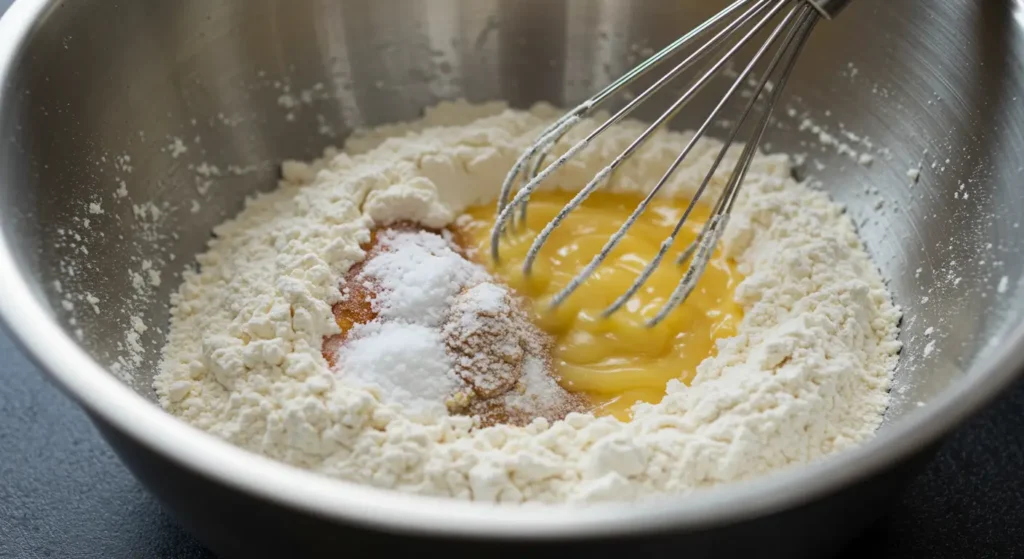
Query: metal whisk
{"points": [[730, 30]]}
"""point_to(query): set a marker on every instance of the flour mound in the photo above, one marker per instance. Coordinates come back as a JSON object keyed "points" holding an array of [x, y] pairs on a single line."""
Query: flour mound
{"points": [[807, 374]]}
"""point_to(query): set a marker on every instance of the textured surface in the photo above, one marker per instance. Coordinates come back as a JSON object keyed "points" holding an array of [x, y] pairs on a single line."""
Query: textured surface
{"points": [[64, 494]]}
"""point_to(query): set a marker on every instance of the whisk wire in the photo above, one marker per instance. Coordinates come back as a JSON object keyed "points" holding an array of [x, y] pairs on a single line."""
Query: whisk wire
{"points": [[731, 30], [606, 173], [709, 236], [548, 137], [613, 88], [560, 127], [653, 61], [667, 244]]}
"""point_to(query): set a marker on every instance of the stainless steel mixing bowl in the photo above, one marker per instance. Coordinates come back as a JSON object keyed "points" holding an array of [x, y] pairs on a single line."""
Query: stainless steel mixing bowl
{"points": [[96, 92]]}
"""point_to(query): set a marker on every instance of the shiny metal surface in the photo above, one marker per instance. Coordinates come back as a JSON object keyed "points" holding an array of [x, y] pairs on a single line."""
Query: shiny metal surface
{"points": [[829, 8], [95, 92]]}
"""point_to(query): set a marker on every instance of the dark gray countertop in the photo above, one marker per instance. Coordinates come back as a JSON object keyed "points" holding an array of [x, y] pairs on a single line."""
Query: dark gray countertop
{"points": [[63, 492]]}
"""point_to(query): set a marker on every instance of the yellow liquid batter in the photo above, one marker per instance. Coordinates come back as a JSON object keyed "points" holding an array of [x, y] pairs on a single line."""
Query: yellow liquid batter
{"points": [[616, 361]]}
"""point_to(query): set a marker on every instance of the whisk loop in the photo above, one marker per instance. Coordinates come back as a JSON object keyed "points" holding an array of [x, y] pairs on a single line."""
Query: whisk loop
{"points": [[788, 24]]}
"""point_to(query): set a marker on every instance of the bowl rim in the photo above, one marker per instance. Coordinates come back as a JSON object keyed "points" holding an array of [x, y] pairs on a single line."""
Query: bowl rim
{"points": [[33, 326]]}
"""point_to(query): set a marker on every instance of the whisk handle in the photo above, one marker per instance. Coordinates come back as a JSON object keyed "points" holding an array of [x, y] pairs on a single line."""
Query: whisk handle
{"points": [[829, 8]]}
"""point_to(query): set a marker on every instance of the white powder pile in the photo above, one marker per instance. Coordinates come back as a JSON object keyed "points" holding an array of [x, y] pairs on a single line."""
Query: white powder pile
{"points": [[404, 363], [420, 274], [807, 374]]}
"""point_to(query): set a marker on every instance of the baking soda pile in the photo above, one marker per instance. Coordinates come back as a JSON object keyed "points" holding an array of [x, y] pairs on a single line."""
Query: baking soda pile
{"points": [[807, 374]]}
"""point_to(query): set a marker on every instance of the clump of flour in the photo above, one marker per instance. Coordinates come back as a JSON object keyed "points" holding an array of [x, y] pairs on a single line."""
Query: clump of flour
{"points": [[807, 374]]}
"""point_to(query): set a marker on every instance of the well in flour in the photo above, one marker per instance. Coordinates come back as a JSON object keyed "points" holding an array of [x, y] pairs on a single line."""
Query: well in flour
{"points": [[807, 374]]}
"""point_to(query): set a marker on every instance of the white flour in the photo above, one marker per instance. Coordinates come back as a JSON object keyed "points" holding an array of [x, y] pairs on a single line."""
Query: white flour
{"points": [[420, 277], [807, 375]]}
